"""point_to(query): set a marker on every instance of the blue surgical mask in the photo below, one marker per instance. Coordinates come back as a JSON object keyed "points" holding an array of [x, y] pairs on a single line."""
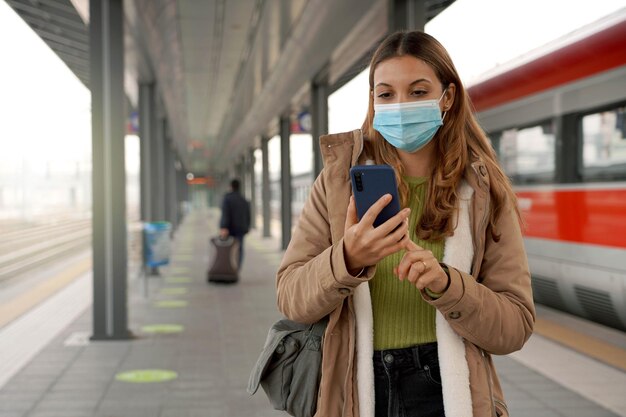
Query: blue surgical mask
{"points": [[408, 126]]}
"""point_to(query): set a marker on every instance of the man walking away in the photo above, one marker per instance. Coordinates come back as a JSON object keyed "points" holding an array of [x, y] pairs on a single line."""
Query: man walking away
{"points": [[235, 216]]}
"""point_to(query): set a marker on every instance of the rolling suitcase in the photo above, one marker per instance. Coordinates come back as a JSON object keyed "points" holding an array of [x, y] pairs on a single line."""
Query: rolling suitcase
{"points": [[225, 257]]}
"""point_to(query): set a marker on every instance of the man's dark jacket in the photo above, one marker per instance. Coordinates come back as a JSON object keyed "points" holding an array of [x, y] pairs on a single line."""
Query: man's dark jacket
{"points": [[235, 214]]}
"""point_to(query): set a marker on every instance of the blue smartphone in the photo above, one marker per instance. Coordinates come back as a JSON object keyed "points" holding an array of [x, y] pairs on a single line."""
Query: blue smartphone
{"points": [[369, 184]]}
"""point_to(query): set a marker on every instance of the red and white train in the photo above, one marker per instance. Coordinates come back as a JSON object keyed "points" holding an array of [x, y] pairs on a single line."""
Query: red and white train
{"points": [[557, 119]]}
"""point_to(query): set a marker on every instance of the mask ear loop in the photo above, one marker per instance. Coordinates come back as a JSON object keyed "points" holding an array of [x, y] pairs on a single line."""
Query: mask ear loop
{"points": [[445, 111]]}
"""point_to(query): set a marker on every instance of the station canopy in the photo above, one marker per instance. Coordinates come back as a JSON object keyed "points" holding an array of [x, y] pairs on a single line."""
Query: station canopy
{"points": [[225, 70]]}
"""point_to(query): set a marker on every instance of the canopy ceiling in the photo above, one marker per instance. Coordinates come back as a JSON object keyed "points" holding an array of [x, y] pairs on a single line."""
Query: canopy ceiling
{"points": [[225, 70]]}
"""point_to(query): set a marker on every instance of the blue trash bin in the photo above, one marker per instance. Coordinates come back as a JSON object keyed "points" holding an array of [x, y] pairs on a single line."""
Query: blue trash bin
{"points": [[157, 243]]}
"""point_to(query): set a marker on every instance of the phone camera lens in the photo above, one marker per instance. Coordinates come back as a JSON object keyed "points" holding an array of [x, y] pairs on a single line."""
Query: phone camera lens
{"points": [[358, 181]]}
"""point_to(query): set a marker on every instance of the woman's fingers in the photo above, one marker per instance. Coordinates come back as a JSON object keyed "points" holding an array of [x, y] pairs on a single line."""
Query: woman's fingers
{"points": [[351, 216], [394, 247], [425, 279], [397, 235], [412, 246], [390, 225], [409, 259], [374, 210], [415, 271]]}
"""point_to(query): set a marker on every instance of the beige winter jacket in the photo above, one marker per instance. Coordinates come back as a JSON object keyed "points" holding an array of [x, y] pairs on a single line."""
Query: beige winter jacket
{"points": [[488, 308]]}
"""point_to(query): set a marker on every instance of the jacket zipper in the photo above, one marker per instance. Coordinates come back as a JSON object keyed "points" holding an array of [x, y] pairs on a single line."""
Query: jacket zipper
{"points": [[490, 383]]}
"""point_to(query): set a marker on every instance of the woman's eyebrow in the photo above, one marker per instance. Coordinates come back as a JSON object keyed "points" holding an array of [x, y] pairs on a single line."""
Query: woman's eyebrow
{"points": [[419, 80]]}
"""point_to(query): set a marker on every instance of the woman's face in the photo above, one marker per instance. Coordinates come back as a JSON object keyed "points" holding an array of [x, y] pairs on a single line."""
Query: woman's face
{"points": [[405, 78]]}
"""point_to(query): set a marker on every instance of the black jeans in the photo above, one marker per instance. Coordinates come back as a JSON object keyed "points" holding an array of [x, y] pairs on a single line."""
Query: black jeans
{"points": [[407, 382]]}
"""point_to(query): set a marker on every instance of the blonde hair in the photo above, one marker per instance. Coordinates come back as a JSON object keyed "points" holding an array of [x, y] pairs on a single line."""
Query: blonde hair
{"points": [[458, 139]]}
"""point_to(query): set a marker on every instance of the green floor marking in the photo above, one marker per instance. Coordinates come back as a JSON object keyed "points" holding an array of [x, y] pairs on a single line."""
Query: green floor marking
{"points": [[163, 328], [180, 270], [146, 375], [171, 303], [177, 280], [174, 291]]}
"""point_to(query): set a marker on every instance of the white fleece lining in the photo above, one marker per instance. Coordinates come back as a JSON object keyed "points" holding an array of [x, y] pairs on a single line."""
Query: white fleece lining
{"points": [[365, 349], [457, 398], [458, 253]]}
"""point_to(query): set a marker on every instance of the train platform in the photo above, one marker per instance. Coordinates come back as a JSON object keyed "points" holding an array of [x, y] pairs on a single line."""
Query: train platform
{"points": [[195, 344]]}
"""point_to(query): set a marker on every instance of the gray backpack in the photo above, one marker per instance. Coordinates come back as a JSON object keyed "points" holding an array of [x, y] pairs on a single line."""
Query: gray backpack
{"points": [[289, 368]]}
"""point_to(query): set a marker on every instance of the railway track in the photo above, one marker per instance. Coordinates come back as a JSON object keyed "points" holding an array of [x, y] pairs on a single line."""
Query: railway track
{"points": [[26, 249]]}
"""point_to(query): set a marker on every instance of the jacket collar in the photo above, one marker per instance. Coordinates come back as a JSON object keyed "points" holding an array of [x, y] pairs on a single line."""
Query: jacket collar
{"points": [[333, 145]]}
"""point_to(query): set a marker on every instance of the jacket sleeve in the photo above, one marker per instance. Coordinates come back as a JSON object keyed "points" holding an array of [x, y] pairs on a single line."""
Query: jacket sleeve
{"points": [[312, 279], [225, 218], [496, 313]]}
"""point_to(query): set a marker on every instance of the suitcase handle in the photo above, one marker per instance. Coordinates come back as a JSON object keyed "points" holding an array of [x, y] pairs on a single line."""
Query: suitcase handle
{"points": [[219, 241]]}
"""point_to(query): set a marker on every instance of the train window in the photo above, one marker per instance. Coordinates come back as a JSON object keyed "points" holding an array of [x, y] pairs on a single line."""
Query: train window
{"points": [[528, 154], [604, 144]]}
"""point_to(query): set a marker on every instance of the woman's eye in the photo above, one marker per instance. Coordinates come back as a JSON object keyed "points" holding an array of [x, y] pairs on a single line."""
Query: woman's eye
{"points": [[418, 92], [384, 95]]}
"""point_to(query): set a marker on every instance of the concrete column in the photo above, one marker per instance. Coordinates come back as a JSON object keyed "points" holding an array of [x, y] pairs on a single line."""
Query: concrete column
{"points": [[180, 189], [158, 190], [285, 180], [165, 178], [171, 185], [146, 143], [106, 33], [319, 118], [252, 176], [407, 15], [241, 175], [265, 187]]}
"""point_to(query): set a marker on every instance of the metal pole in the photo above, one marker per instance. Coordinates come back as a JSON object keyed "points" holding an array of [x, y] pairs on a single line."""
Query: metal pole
{"points": [[146, 139], [241, 174], [106, 31], [285, 180], [319, 118], [171, 177], [252, 190], [165, 178], [146, 145], [159, 167], [265, 187]]}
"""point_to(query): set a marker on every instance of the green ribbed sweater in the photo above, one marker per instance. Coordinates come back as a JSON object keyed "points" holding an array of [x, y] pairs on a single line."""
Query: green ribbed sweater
{"points": [[401, 317]]}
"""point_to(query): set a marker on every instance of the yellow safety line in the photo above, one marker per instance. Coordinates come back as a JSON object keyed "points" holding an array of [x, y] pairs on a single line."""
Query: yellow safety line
{"points": [[24, 302], [590, 346]]}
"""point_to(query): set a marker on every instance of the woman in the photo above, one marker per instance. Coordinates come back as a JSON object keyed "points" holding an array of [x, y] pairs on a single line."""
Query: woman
{"points": [[417, 305]]}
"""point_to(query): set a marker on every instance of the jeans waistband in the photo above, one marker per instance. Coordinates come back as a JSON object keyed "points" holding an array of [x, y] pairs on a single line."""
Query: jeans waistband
{"points": [[417, 356]]}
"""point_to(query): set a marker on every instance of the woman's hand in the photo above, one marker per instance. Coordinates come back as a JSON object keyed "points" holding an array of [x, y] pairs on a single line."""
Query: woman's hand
{"points": [[365, 245], [422, 269]]}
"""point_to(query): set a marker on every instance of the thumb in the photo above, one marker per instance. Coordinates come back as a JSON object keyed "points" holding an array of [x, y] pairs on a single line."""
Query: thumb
{"points": [[351, 217]]}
